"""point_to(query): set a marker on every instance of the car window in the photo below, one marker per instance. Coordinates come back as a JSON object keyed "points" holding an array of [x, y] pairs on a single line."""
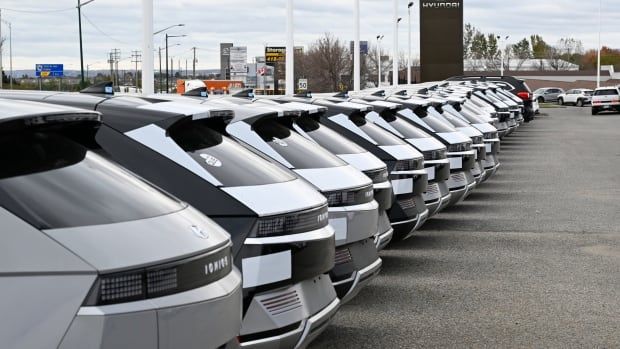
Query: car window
{"points": [[588, 93], [52, 182], [379, 135], [328, 138], [606, 92], [226, 160], [298, 151]]}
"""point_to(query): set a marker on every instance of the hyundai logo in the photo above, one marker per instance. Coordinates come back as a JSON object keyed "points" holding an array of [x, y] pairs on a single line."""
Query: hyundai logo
{"points": [[442, 4], [199, 232], [279, 142], [211, 160]]}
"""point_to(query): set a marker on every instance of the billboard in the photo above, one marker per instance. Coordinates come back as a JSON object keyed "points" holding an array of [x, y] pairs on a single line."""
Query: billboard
{"points": [[363, 47], [239, 60], [441, 39], [275, 54], [225, 60]]}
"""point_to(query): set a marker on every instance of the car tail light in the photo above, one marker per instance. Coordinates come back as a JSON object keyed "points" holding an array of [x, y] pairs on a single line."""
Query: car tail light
{"points": [[524, 95], [161, 280], [293, 223]]}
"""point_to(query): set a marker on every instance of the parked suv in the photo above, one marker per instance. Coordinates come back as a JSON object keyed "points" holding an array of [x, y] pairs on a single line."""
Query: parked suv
{"points": [[95, 257], [547, 94], [606, 99], [511, 84], [578, 97]]}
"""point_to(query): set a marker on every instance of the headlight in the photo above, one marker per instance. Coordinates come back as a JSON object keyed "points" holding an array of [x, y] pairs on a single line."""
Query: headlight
{"points": [[409, 165], [437, 154], [477, 140], [293, 223], [377, 176], [490, 135], [350, 197], [459, 147], [160, 280]]}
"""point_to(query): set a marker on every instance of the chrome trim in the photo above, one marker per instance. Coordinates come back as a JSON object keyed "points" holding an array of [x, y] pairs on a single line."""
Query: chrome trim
{"points": [[361, 279], [384, 239], [310, 332], [319, 234], [369, 206]]}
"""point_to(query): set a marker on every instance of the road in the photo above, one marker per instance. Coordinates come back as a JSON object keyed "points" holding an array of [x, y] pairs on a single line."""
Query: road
{"points": [[531, 259]]}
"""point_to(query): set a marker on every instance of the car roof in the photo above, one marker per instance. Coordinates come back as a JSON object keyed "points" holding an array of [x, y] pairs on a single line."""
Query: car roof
{"points": [[18, 109]]}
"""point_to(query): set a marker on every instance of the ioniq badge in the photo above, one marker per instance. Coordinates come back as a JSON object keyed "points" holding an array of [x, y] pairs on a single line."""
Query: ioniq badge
{"points": [[199, 232], [279, 142], [211, 160]]}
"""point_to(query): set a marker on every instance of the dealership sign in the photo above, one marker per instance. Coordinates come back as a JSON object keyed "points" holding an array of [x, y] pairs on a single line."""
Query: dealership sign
{"points": [[238, 59]]}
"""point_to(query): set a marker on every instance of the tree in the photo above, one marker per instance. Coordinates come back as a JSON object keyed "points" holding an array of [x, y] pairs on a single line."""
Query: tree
{"points": [[521, 52], [328, 59], [468, 36]]}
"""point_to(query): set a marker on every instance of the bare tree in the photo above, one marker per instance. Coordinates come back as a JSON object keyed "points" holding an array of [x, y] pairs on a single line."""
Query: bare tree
{"points": [[327, 60]]}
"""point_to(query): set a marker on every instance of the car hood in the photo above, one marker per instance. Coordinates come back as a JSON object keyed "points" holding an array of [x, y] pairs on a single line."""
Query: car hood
{"points": [[140, 243]]}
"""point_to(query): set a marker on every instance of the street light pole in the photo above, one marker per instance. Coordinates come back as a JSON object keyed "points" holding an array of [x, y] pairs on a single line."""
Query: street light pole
{"points": [[148, 76], [598, 64], [379, 38], [409, 56], [160, 79], [167, 80], [395, 46], [356, 48], [290, 54]]}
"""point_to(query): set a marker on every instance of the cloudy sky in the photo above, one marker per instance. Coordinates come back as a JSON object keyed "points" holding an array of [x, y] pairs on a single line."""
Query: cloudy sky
{"points": [[46, 31]]}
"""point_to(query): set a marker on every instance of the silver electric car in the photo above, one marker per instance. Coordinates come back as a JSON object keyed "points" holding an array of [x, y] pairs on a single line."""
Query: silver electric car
{"points": [[279, 224], [94, 257]]}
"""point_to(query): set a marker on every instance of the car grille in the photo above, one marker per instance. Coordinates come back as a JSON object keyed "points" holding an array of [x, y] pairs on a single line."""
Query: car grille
{"points": [[436, 154], [458, 177], [343, 256], [407, 204], [432, 188], [282, 303]]}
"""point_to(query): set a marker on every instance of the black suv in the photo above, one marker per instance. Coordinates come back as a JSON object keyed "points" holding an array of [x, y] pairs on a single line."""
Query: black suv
{"points": [[516, 86]]}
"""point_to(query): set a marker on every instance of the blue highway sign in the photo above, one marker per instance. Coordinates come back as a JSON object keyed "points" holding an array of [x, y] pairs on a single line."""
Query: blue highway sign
{"points": [[49, 70]]}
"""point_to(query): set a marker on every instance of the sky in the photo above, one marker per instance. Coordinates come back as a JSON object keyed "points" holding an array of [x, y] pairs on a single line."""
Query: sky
{"points": [[47, 31]]}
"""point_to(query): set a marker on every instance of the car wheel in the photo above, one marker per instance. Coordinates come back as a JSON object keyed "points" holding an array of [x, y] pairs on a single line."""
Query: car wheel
{"points": [[541, 100], [560, 101], [579, 103]]}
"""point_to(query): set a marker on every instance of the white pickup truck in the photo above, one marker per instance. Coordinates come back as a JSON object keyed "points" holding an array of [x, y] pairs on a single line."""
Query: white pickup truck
{"points": [[606, 99]]}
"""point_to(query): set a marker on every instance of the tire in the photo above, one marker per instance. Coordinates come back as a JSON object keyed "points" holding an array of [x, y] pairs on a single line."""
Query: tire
{"points": [[560, 101], [541, 100], [594, 111], [579, 103]]}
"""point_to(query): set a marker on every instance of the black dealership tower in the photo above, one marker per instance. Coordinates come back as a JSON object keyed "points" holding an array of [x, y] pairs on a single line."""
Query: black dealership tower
{"points": [[441, 39]]}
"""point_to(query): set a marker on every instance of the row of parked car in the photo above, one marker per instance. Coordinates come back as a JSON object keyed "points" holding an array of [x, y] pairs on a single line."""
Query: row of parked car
{"points": [[601, 99], [203, 221]]}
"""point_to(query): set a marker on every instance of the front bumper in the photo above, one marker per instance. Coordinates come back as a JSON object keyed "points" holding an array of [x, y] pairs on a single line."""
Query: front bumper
{"points": [[348, 288], [205, 316], [350, 264], [410, 212], [460, 185], [290, 317], [385, 232], [354, 223], [437, 197]]}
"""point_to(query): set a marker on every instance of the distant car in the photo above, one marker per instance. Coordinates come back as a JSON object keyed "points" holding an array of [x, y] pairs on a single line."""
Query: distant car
{"points": [[606, 99], [511, 84], [578, 97], [547, 94]]}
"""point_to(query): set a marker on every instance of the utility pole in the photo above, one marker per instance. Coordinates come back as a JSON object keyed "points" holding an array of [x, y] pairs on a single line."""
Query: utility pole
{"points": [[409, 38], [79, 9], [160, 78], [136, 58], [186, 68], [11, 55], [194, 63], [111, 61]]}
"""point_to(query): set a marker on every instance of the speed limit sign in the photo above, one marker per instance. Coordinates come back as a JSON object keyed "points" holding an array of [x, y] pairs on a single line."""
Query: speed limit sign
{"points": [[303, 84]]}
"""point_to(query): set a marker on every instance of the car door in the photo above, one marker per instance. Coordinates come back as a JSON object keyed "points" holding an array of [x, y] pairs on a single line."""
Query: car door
{"points": [[570, 96], [555, 93]]}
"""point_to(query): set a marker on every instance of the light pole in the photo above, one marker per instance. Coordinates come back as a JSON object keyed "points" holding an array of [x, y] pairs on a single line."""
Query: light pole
{"points": [[395, 68], [409, 57], [155, 33], [167, 76], [290, 54], [379, 38], [79, 9], [598, 64], [502, 44], [356, 48], [395, 22]]}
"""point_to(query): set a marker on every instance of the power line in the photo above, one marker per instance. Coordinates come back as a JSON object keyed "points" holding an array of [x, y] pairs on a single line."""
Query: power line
{"points": [[38, 11], [101, 31]]}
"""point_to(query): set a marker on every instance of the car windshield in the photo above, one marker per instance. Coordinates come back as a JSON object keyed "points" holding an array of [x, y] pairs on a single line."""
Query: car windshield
{"points": [[453, 116], [44, 178], [406, 128], [379, 135], [228, 161], [298, 151], [327, 138], [436, 121], [606, 92]]}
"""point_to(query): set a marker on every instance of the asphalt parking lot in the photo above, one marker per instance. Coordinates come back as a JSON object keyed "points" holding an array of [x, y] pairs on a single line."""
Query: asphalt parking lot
{"points": [[531, 259]]}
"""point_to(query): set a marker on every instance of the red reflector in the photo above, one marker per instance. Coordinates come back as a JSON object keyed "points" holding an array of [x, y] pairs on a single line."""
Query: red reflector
{"points": [[524, 95]]}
